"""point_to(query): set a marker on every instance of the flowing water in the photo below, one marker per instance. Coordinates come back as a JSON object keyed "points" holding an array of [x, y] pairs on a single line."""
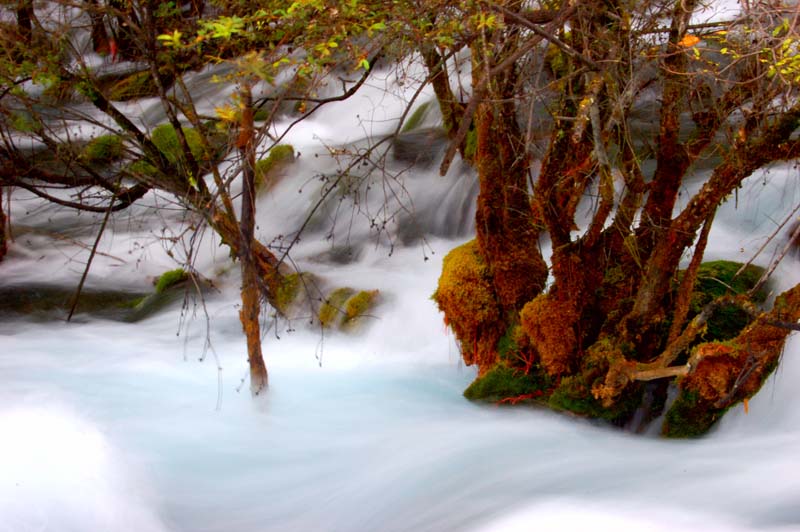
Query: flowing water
{"points": [[109, 426]]}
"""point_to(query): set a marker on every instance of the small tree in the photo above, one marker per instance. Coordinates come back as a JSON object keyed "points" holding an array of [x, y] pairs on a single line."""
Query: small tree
{"points": [[613, 313], [180, 158]]}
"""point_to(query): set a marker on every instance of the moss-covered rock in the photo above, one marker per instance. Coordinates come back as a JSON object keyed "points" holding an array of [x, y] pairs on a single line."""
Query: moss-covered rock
{"points": [[291, 291], [103, 149], [358, 306], [268, 171], [725, 373], [170, 278], [466, 297], [689, 417], [345, 307], [166, 140], [332, 312], [574, 394], [504, 383], [43, 302]]}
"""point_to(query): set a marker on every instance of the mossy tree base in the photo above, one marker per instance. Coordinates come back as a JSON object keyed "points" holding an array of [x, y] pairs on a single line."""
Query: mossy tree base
{"points": [[538, 359]]}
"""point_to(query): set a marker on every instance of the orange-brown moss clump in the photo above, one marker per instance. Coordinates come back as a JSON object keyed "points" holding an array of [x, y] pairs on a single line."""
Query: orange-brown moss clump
{"points": [[723, 373], [470, 307], [548, 324]]}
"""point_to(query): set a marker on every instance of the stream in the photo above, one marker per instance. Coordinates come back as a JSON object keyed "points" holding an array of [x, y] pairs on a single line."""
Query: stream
{"points": [[150, 427]]}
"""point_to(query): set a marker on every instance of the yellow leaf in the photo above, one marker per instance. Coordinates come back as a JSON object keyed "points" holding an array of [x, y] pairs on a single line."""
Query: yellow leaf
{"points": [[227, 113], [746, 405], [688, 41]]}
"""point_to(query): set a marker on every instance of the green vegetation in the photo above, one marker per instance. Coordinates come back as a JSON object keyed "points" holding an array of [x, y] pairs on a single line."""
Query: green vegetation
{"points": [[166, 140], [103, 149], [267, 168], [332, 312], [716, 279], [171, 278], [689, 417], [504, 383], [358, 305], [416, 118]]}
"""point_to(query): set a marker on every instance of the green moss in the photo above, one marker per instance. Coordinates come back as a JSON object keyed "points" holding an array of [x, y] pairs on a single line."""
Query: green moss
{"points": [[24, 122], [503, 382], [471, 144], [416, 118], [134, 86], [103, 149], [170, 278], [278, 156], [359, 304], [507, 347], [716, 279], [689, 416], [289, 290], [166, 140], [142, 168], [332, 313], [574, 394]]}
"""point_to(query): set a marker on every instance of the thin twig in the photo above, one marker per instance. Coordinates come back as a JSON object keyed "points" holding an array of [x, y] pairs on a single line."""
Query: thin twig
{"points": [[77, 295]]}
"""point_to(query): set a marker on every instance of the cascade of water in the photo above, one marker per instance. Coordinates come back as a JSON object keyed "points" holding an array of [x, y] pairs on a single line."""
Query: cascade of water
{"points": [[110, 426]]}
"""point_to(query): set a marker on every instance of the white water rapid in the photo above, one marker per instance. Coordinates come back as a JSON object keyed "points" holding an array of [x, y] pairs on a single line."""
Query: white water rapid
{"points": [[117, 427]]}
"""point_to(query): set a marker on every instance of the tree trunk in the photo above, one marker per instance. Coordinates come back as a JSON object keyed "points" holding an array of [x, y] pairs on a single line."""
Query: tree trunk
{"points": [[25, 20], [3, 222], [251, 304], [100, 41]]}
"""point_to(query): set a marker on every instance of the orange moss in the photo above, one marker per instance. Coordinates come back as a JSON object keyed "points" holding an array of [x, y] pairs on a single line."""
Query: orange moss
{"points": [[714, 376], [548, 324], [466, 297], [519, 272], [736, 370]]}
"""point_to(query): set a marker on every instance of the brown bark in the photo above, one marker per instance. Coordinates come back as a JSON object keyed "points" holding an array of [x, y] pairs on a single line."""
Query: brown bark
{"points": [[773, 145], [3, 222], [725, 373], [251, 304], [100, 40], [506, 235], [452, 109], [672, 159], [25, 20]]}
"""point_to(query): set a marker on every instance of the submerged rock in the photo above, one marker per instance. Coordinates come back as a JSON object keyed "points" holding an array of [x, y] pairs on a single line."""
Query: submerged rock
{"points": [[44, 302]]}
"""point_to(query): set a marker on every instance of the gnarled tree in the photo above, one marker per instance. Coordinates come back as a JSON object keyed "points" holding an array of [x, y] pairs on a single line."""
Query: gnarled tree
{"points": [[611, 313]]}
